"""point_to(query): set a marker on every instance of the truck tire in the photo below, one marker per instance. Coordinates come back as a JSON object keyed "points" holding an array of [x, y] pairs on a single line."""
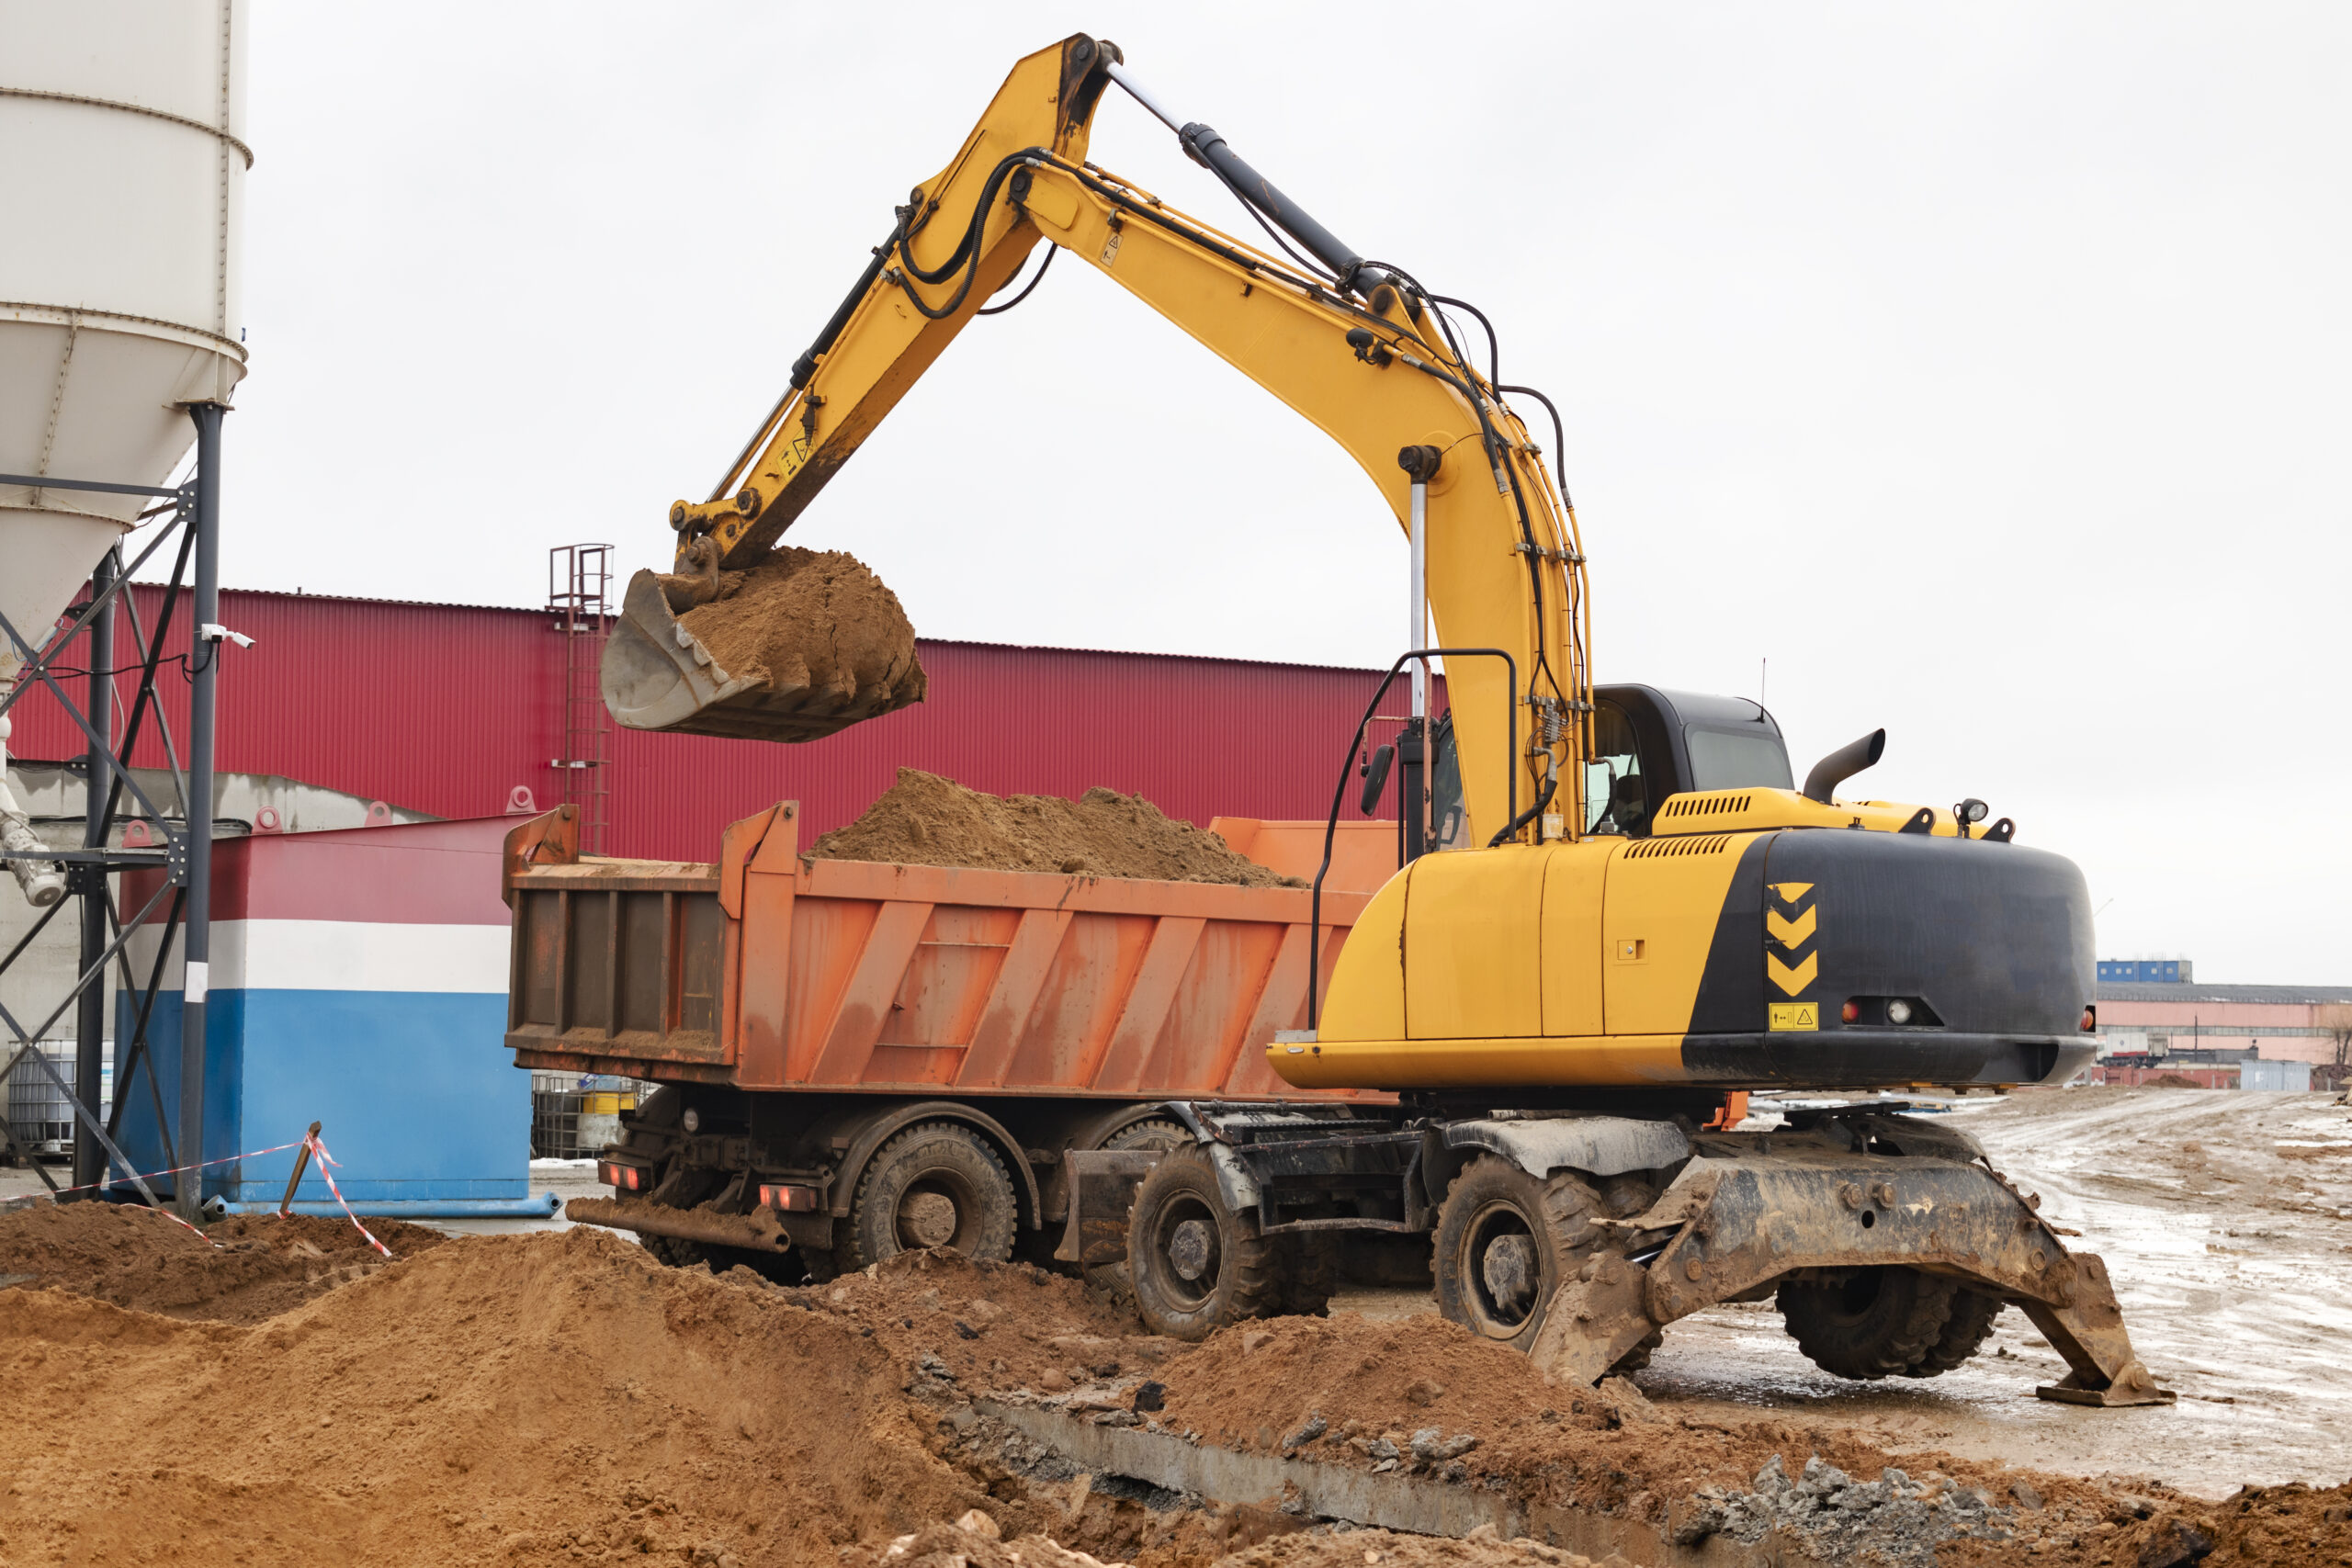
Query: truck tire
{"points": [[1874, 1323], [1195, 1266], [1505, 1241], [933, 1184], [1964, 1333]]}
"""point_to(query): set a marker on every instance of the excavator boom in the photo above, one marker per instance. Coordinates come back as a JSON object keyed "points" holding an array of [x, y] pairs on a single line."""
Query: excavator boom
{"points": [[1357, 347]]}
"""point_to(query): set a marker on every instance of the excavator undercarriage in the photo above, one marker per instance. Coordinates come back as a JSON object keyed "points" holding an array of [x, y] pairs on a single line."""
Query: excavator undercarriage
{"points": [[1890, 1242]]}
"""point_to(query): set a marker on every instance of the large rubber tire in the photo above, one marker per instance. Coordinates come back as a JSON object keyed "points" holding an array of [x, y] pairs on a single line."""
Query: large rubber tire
{"points": [[1964, 1333], [1875, 1323], [1307, 1270], [933, 1184], [1196, 1266], [676, 1253], [1152, 1132], [1505, 1242]]}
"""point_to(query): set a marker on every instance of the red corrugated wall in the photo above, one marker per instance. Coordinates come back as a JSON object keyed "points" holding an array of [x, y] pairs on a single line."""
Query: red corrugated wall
{"points": [[445, 708]]}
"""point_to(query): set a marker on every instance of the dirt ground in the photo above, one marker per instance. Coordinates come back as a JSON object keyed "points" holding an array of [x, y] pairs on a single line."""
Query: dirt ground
{"points": [[924, 819], [561, 1397]]}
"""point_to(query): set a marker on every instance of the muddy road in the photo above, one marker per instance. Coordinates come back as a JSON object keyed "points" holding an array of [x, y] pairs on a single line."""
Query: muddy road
{"points": [[2226, 1222]]}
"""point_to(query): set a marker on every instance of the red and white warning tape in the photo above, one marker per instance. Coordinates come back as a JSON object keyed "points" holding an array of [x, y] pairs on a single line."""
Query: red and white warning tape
{"points": [[318, 1147], [174, 1170]]}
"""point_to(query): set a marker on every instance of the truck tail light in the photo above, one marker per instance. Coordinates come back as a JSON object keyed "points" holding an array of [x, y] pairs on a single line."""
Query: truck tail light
{"points": [[790, 1197], [624, 1178]]}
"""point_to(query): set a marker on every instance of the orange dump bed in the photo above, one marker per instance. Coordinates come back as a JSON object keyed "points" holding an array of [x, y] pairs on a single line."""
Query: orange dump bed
{"points": [[770, 972]]}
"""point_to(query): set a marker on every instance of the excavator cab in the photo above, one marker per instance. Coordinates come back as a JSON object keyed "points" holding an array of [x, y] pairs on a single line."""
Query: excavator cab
{"points": [[1649, 745]]}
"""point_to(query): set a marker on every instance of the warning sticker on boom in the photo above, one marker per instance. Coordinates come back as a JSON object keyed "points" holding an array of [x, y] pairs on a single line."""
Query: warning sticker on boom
{"points": [[1796, 1015]]}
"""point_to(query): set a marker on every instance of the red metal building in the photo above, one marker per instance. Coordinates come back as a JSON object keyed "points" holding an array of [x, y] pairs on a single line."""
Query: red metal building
{"points": [[445, 708]]}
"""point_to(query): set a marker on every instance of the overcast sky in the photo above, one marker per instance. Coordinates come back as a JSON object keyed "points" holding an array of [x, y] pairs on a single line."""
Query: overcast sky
{"points": [[1982, 367]]}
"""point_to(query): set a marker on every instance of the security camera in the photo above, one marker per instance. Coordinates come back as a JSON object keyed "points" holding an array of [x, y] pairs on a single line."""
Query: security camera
{"points": [[213, 631]]}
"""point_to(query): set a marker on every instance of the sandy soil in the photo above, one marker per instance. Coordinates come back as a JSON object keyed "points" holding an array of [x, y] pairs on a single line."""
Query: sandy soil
{"points": [[561, 1398]]}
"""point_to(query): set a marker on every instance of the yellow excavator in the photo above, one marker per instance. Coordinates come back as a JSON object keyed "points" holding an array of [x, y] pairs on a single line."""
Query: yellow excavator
{"points": [[1616, 908]]}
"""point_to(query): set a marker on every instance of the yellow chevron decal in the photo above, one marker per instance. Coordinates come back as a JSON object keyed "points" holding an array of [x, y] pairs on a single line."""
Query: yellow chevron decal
{"points": [[1792, 980], [1790, 892], [1788, 933]]}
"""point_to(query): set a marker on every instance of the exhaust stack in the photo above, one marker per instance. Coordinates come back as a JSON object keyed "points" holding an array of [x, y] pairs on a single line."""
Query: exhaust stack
{"points": [[1843, 764]]}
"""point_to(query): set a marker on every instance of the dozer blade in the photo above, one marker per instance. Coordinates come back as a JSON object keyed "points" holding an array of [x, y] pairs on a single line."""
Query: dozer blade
{"points": [[656, 675], [1733, 1227]]}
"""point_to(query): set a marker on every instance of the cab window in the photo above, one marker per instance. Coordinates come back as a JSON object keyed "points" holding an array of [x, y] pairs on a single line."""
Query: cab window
{"points": [[1616, 791], [1736, 759]]}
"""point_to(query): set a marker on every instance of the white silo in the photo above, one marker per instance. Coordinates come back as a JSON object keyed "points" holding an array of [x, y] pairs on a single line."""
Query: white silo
{"points": [[123, 182]]}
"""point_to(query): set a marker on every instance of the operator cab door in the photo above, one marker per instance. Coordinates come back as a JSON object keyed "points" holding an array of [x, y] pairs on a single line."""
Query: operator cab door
{"points": [[1665, 897]]}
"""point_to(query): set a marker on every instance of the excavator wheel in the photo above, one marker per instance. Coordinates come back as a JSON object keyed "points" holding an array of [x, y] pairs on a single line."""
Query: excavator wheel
{"points": [[1964, 1333], [1157, 1133], [1506, 1241], [1873, 1323], [1310, 1274], [935, 1184], [1195, 1265]]}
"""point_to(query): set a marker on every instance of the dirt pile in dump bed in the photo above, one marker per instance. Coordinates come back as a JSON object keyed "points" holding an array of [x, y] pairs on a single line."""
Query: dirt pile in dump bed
{"points": [[241, 1270], [924, 819], [813, 619]]}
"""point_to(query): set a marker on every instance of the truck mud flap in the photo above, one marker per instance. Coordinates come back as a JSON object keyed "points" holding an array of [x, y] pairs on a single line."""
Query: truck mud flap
{"points": [[1102, 1185], [1732, 1228]]}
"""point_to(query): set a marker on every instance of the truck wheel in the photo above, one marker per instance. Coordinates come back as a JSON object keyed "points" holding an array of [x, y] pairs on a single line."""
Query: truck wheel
{"points": [[1505, 1241], [935, 1184], [1964, 1333], [676, 1253], [1874, 1323], [1196, 1267]]}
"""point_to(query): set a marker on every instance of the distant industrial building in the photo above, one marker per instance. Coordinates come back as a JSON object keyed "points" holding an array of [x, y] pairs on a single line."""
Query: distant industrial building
{"points": [[2152, 1012], [2153, 971]]}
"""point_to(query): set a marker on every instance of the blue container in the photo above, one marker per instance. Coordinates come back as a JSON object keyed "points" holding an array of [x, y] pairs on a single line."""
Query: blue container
{"points": [[359, 979]]}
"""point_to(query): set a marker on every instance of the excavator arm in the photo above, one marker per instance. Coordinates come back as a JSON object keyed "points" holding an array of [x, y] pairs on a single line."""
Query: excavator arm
{"points": [[1357, 347]]}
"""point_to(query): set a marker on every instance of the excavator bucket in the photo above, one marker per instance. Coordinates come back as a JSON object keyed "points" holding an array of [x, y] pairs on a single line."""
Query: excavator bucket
{"points": [[797, 677]]}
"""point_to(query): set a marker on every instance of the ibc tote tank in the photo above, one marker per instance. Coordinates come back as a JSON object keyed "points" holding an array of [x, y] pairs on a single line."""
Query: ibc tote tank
{"points": [[122, 169]]}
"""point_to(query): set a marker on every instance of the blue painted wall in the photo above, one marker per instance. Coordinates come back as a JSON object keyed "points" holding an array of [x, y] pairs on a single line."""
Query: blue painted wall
{"points": [[419, 1098]]}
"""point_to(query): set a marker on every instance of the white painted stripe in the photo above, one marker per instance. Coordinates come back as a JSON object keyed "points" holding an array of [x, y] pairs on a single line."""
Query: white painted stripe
{"points": [[340, 955]]}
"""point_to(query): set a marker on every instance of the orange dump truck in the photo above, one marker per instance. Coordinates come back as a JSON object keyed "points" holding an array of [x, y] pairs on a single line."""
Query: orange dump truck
{"points": [[861, 1057]]}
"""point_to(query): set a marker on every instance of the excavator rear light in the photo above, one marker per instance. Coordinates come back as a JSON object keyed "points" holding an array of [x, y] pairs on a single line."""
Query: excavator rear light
{"points": [[2090, 1018], [1898, 1011], [1851, 1012]]}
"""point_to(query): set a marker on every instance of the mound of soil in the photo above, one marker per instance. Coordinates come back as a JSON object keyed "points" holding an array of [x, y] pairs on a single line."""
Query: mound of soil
{"points": [[814, 620], [557, 1398], [924, 819], [134, 1258], [2172, 1081]]}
